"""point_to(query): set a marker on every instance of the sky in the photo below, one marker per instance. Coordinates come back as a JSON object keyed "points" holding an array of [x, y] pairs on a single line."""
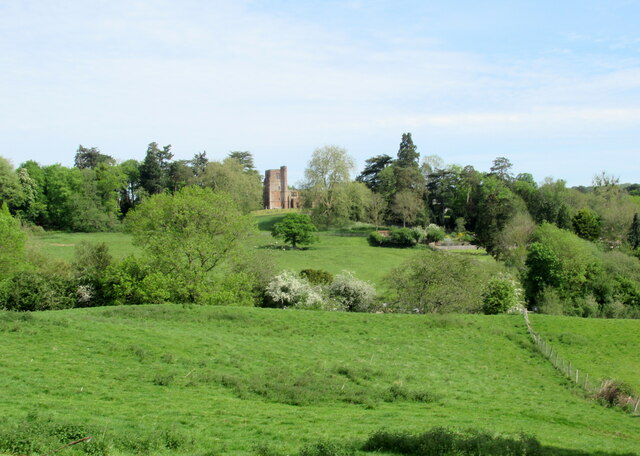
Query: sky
{"points": [[552, 86]]}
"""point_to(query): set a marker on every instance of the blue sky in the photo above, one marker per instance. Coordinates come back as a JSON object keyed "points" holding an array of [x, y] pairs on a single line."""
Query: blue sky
{"points": [[553, 86]]}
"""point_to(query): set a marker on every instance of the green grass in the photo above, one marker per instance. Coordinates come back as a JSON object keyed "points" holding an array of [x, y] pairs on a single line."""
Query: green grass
{"points": [[62, 245], [222, 380], [603, 348], [334, 253]]}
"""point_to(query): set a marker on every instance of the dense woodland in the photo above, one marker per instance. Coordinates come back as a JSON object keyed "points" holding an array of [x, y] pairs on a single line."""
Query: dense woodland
{"points": [[559, 250]]}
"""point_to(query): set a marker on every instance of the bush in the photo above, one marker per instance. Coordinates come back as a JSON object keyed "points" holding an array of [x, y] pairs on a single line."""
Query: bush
{"points": [[235, 289], [402, 237], [352, 294], [35, 290], [289, 290], [132, 281], [614, 392], [317, 276], [420, 234], [444, 442], [376, 239], [499, 296], [587, 224], [434, 233], [324, 448], [90, 263], [440, 282]]}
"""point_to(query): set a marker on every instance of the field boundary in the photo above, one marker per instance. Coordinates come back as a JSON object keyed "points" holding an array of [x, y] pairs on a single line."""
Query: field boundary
{"points": [[569, 370]]}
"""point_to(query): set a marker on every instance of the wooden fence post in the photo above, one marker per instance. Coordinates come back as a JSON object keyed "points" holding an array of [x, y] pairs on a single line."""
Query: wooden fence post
{"points": [[586, 381], [635, 409], [576, 375]]}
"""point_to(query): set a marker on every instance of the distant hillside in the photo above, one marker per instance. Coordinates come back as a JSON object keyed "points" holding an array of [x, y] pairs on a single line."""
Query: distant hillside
{"points": [[223, 380]]}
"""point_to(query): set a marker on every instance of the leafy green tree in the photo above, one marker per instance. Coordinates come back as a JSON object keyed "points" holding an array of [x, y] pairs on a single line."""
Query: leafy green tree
{"points": [[130, 193], [245, 158], [295, 229], [179, 175], [501, 169], [90, 158], [587, 225], [12, 242], [62, 190], [543, 270], [437, 282], [376, 210], [496, 205], [370, 175], [199, 163], [406, 205], [188, 234], [563, 219], [329, 169], [230, 176], [634, 232], [11, 191]]}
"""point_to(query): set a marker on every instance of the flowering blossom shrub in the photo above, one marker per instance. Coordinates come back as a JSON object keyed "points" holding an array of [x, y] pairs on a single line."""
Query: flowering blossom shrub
{"points": [[290, 290], [352, 294]]}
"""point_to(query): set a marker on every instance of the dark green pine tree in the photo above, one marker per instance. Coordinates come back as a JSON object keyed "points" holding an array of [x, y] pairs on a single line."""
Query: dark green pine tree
{"points": [[634, 232], [154, 168], [408, 154]]}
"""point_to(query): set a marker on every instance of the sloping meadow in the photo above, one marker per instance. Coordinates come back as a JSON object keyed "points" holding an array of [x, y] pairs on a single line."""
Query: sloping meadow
{"points": [[224, 380]]}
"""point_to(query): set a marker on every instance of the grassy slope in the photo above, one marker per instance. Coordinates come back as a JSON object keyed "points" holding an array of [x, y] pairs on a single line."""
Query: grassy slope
{"points": [[226, 377], [62, 245], [603, 348]]}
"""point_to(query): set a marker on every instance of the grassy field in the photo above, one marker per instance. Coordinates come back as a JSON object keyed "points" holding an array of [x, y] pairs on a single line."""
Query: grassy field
{"points": [[223, 380], [62, 245], [603, 348], [335, 252]]}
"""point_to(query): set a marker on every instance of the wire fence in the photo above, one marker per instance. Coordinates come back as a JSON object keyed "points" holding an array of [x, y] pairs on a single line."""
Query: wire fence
{"points": [[593, 386]]}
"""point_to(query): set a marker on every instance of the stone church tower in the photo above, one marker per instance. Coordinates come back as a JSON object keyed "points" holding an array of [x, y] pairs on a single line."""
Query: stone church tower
{"points": [[276, 194]]}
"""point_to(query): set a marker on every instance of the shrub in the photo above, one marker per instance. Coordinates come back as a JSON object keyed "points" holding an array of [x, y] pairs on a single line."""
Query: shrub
{"points": [[376, 239], [434, 233], [35, 290], [420, 234], [325, 448], [352, 294], [441, 441], [289, 290], [499, 295], [90, 263], [587, 224], [317, 276], [440, 282], [132, 281], [402, 237], [234, 289], [614, 392]]}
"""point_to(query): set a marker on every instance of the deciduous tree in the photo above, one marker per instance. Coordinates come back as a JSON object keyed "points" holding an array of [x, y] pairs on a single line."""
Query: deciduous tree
{"points": [[295, 229], [189, 233]]}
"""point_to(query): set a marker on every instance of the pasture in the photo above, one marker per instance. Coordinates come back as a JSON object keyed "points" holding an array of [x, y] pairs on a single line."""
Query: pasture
{"points": [[222, 380]]}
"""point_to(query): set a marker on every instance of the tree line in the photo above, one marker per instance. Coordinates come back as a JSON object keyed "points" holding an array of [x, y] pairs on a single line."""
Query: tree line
{"points": [[560, 250], [97, 192], [408, 191]]}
